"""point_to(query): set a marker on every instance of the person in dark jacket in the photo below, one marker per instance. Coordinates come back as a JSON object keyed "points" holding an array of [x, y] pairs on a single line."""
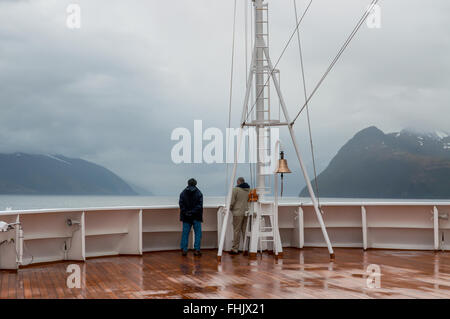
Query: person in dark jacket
{"points": [[191, 214]]}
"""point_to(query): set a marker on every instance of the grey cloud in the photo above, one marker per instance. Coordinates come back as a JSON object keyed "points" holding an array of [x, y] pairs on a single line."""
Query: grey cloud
{"points": [[113, 91]]}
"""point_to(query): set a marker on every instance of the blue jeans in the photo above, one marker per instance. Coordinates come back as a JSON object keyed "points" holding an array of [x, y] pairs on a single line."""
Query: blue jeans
{"points": [[185, 235]]}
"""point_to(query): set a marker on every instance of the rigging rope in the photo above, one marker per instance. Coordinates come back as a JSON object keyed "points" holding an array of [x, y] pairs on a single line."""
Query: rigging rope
{"points": [[278, 61], [307, 100], [307, 106], [231, 88], [338, 55], [246, 4], [252, 91]]}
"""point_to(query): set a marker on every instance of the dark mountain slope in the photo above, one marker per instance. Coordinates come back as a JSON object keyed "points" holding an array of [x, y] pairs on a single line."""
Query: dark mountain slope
{"points": [[55, 174], [398, 165]]}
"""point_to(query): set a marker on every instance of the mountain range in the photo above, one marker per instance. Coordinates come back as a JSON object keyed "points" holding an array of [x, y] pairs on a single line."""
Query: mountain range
{"points": [[372, 164], [406, 164], [35, 174]]}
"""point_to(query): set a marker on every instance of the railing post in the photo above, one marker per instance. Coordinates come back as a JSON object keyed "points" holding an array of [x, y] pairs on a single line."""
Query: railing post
{"points": [[19, 241], [140, 235], [364, 226], [83, 235], [436, 228], [301, 228]]}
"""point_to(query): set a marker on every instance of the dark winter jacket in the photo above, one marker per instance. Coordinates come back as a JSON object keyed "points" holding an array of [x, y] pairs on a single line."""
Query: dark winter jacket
{"points": [[191, 205]]}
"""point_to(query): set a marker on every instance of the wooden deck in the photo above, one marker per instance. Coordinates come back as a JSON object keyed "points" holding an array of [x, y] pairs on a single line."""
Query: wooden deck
{"points": [[303, 273]]}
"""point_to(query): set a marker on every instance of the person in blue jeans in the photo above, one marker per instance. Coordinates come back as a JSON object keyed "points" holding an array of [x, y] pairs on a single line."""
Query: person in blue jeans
{"points": [[191, 214]]}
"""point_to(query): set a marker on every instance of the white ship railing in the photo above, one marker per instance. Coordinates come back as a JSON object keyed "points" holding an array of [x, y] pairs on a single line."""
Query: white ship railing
{"points": [[132, 230]]}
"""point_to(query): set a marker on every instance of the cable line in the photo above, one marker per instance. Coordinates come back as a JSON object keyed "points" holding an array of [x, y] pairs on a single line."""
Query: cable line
{"points": [[338, 55], [246, 42], [307, 106], [231, 86]]}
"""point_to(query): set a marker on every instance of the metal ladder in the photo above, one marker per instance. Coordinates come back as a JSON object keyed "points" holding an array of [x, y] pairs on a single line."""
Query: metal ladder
{"points": [[262, 220], [262, 43]]}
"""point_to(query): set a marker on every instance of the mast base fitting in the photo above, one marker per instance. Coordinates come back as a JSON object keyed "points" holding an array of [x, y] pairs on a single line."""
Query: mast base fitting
{"points": [[252, 255], [219, 259], [332, 257]]}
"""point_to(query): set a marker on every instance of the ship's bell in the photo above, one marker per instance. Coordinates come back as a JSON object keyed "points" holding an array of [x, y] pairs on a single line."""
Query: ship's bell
{"points": [[282, 165]]}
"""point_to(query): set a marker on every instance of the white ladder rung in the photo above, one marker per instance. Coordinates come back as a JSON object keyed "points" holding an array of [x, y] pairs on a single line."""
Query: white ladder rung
{"points": [[265, 234]]}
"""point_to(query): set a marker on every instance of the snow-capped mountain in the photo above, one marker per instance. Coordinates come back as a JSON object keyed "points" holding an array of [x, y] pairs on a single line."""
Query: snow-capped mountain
{"points": [[406, 164], [436, 143]]}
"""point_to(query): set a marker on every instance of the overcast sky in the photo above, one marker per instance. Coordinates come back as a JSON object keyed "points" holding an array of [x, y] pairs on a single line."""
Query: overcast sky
{"points": [[112, 91]]}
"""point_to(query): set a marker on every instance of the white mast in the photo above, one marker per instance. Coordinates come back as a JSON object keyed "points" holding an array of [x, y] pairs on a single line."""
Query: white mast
{"points": [[260, 91], [260, 66]]}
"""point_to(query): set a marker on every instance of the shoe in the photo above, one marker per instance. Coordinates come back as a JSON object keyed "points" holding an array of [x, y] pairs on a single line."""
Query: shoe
{"points": [[233, 252], [197, 253], [184, 253]]}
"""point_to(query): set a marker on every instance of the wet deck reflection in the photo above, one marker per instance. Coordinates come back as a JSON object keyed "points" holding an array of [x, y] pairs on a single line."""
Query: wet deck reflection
{"points": [[303, 273]]}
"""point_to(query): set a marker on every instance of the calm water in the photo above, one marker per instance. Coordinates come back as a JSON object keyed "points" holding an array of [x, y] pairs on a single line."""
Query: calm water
{"points": [[37, 202]]}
